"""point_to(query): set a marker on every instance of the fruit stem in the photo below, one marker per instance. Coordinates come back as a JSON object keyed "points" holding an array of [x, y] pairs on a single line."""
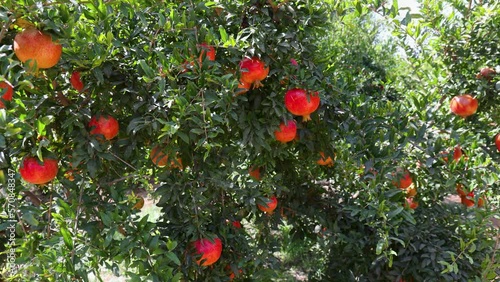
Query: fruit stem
{"points": [[306, 118]]}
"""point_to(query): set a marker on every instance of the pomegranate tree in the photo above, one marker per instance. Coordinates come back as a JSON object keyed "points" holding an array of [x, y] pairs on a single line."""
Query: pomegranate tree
{"points": [[301, 103]]}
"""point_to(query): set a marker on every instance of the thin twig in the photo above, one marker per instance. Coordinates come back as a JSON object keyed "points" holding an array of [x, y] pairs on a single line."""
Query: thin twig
{"points": [[49, 215], [129, 165], [5, 27]]}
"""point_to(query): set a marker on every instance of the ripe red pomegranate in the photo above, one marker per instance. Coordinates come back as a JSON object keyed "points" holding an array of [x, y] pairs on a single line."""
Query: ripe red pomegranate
{"points": [[486, 73], [210, 50], [210, 251], [271, 206], [497, 141], [404, 180], [468, 200], [286, 133], [36, 172], [301, 103], [463, 105], [76, 82], [255, 173], [243, 87], [236, 224], [9, 92], [37, 46], [457, 153], [105, 125], [253, 71]]}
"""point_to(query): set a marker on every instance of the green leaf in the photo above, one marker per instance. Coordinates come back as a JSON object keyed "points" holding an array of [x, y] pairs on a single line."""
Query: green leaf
{"points": [[67, 237], [171, 245], [395, 212], [174, 258], [223, 34]]}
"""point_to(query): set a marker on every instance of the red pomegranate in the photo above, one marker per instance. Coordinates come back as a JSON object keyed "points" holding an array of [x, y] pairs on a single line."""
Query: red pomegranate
{"points": [[210, 50], [486, 73], [404, 180], [37, 46], [271, 205], [254, 173], [286, 132], [301, 103], [9, 92], [105, 125], [468, 199], [36, 172], [210, 251], [236, 224], [457, 153], [464, 105], [76, 82], [243, 87], [161, 159], [253, 71]]}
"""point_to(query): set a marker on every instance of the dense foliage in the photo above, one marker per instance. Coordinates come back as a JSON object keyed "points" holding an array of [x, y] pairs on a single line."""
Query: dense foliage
{"points": [[170, 73]]}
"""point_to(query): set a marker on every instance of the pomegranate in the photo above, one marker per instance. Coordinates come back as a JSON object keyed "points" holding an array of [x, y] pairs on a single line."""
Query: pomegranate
{"points": [[36, 172], [243, 87], [209, 250], [37, 46], [231, 273], [325, 161], [253, 71], [468, 199], [457, 154], [497, 141], [270, 206], [161, 159], [301, 103], [210, 51], [236, 224], [76, 82], [139, 204], [486, 73], [254, 173], [286, 132], [105, 125], [9, 92], [464, 105], [404, 181]]}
